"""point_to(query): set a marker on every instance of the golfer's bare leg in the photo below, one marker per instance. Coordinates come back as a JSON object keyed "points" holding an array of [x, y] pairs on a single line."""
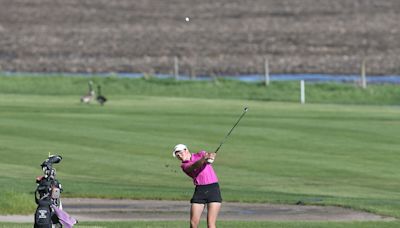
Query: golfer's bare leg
{"points": [[213, 210], [195, 214]]}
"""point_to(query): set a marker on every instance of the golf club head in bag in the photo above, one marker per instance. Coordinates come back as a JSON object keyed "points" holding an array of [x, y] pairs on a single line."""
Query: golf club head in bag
{"points": [[47, 194], [48, 186], [47, 165]]}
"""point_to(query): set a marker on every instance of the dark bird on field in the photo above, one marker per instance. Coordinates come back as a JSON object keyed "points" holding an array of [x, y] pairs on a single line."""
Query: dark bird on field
{"points": [[100, 98], [87, 98]]}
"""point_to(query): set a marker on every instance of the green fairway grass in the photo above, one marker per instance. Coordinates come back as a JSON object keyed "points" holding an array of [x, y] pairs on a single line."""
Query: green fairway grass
{"points": [[281, 152]]}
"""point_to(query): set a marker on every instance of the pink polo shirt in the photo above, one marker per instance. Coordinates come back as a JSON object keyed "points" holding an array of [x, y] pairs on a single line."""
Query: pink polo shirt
{"points": [[203, 175]]}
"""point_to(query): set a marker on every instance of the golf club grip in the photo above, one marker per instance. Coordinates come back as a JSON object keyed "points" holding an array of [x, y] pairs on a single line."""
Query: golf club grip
{"points": [[218, 148]]}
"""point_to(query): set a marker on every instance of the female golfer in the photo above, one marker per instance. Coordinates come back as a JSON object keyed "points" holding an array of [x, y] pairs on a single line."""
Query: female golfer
{"points": [[207, 192]]}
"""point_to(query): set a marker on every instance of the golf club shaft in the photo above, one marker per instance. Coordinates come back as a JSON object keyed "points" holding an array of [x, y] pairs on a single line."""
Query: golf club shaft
{"points": [[223, 141]]}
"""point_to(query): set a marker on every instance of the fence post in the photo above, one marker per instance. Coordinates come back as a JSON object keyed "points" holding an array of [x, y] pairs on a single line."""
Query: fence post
{"points": [[363, 76], [192, 72], [266, 68], [176, 68], [214, 78], [302, 92]]}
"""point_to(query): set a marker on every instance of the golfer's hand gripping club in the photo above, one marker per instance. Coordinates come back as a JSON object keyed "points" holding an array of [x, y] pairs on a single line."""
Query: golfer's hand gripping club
{"points": [[210, 157]]}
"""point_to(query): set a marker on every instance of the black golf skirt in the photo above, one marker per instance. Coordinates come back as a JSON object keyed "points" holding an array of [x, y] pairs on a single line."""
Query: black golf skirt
{"points": [[207, 194]]}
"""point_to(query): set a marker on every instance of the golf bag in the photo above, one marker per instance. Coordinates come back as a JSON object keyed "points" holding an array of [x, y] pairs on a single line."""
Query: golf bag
{"points": [[47, 197]]}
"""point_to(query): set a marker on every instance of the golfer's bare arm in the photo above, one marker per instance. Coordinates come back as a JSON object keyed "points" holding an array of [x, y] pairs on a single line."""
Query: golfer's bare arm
{"points": [[200, 162]]}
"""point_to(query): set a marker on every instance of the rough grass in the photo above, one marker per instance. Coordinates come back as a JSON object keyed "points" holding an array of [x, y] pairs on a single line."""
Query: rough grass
{"points": [[216, 89], [16, 202]]}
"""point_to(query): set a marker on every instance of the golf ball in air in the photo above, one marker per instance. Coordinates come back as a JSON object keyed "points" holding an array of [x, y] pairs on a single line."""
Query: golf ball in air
{"points": [[187, 19]]}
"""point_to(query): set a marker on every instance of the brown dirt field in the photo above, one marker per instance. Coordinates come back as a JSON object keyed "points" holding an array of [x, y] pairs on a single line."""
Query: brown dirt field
{"points": [[222, 37], [151, 210]]}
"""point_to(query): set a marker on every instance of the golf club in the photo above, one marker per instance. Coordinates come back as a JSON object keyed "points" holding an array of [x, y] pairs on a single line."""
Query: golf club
{"points": [[223, 141]]}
